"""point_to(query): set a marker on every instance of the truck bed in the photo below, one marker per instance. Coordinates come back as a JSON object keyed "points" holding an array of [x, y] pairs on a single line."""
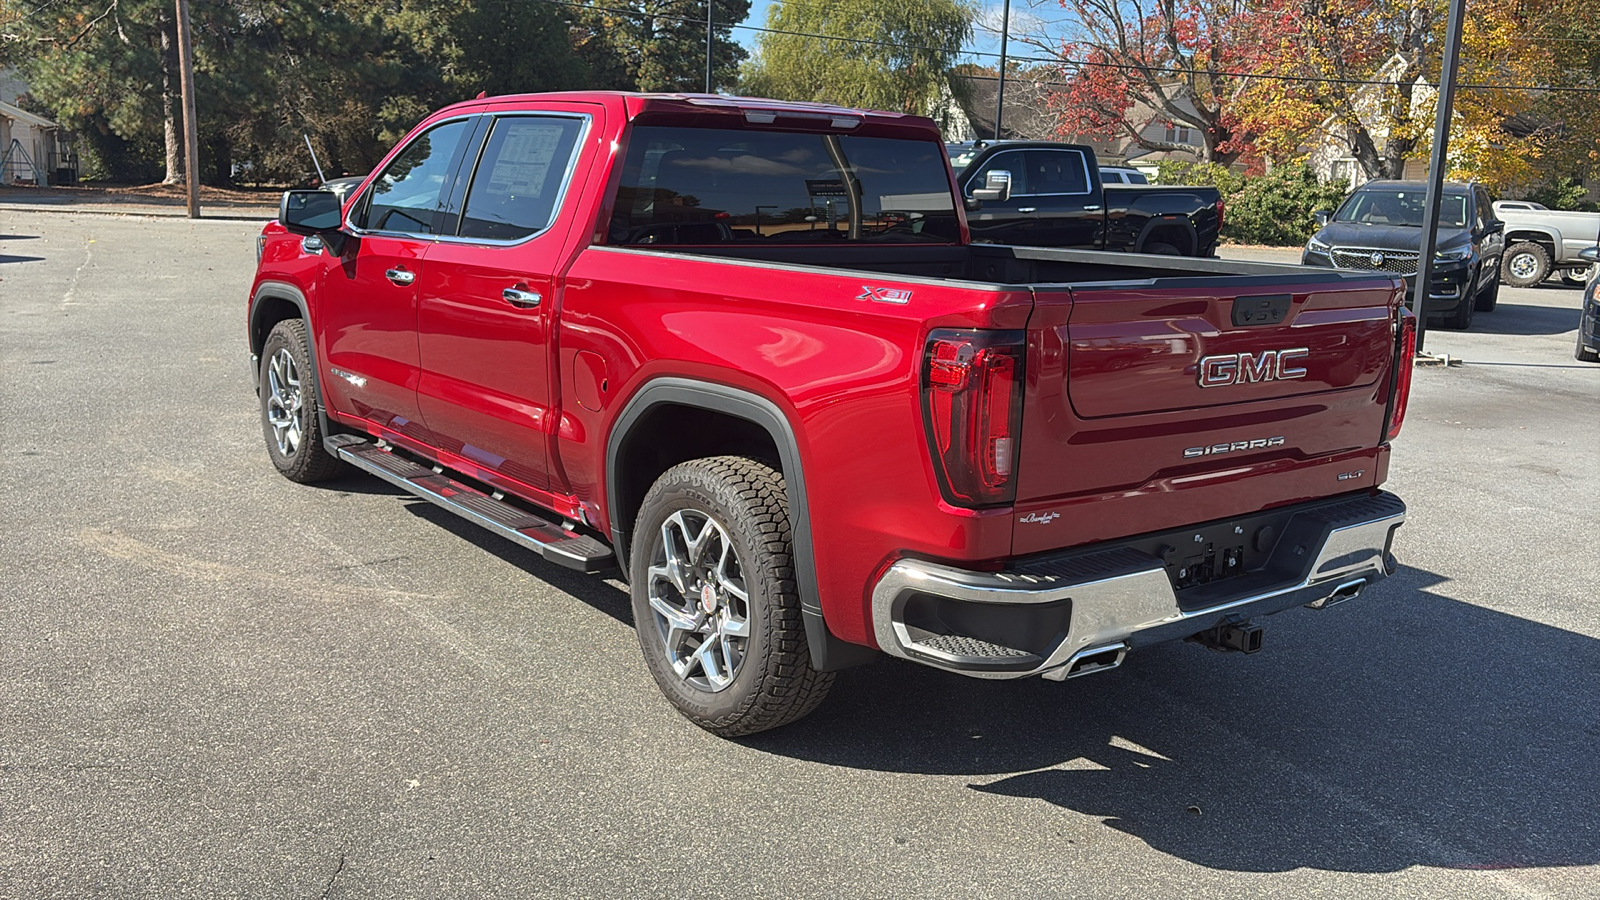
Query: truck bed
{"points": [[1028, 267]]}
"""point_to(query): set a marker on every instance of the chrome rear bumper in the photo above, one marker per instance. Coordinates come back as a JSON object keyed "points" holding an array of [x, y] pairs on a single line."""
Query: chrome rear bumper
{"points": [[1081, 612]]}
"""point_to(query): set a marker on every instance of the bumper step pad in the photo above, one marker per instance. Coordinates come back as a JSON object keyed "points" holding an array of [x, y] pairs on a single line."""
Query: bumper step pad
{"points": [[549, 539]]}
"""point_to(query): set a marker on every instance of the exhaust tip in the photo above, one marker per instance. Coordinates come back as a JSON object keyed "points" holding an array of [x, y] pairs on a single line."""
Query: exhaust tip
{"points": [[1089, 661], [1347, 591]]}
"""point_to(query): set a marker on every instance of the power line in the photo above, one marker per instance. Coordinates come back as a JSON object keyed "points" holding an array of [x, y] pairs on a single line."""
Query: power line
{"points": [[1072, 63]]}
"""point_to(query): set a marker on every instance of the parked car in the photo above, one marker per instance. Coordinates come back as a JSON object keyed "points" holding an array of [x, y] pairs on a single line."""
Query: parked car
{"points": [[1589, 314], [1379, 228], [1541, 242], [343, 185], [1122, 175], [1044, 194], [744, 352]]}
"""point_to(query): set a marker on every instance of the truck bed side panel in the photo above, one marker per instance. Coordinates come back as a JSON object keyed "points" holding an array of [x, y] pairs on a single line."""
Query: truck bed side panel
{"points": [[842, 366]]}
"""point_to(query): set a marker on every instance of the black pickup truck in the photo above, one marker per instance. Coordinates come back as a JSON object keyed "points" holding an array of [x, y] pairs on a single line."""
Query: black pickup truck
{"points": [[1044, 194]]}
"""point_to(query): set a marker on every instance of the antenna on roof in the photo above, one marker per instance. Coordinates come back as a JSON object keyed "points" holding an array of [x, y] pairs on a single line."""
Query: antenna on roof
{"points": [[481, 95], [321, 179]]}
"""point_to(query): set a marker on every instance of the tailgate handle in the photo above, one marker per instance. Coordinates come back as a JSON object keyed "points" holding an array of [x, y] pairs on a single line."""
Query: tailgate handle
{"points": [[1266, 309]]}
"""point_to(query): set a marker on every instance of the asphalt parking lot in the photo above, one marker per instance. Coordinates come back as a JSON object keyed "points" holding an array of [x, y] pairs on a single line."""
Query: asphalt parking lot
{"points": [[216, 683]]}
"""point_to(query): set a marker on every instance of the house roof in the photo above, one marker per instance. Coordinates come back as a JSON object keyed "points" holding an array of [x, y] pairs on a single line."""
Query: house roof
{"points": [[21, 115], [1138, 156]]}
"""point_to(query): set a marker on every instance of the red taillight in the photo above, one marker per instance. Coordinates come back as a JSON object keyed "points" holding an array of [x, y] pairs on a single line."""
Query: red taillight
{"points": [[1405, 364], [972, 406], [1222, 210]]}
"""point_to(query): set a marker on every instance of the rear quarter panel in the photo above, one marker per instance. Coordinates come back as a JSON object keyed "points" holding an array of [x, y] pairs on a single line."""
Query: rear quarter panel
{"points": [[843, 369]]}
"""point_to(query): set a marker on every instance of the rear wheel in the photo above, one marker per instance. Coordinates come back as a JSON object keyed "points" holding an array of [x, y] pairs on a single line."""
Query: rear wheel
{"points": [[1526, 264], [289, 403], [1162, 248], [1576, 277], [715, 601]]}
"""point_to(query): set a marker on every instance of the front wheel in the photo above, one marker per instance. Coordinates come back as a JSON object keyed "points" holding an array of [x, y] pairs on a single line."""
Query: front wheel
{"points": [[1489, 296], [1526, 264], [715, 602], [1461, 319], [288, 391]]}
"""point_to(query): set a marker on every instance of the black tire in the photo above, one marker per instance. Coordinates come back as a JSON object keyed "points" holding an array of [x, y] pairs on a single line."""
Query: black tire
{"points": [[1584, 354], [295, 441], [1575, 277], [1162, 248], [1461, 318], [1531, 260], [772, 682], [1489, 296]]}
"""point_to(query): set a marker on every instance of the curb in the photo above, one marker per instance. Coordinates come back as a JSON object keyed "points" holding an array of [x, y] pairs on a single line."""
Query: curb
{"points": [[145, 212]]}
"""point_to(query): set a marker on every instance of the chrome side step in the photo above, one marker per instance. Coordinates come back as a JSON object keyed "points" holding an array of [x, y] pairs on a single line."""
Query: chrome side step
{"points": [[549, 539]]}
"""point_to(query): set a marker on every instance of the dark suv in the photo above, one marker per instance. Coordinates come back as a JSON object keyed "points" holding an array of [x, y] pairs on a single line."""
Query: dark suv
{"points": [[1589, 316], [1379, 228]]}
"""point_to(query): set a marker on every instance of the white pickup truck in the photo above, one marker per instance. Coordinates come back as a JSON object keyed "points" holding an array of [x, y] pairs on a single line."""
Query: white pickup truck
{"points": [[1541, 241]]}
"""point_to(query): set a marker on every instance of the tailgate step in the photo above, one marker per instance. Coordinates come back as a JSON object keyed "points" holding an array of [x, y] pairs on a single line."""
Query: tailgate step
{"points": [[552, 541]]}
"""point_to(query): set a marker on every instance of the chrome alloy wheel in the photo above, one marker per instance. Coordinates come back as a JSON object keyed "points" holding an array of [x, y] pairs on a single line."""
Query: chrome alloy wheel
{"points": [[1523, 265], [697, 592], [284, 401]]}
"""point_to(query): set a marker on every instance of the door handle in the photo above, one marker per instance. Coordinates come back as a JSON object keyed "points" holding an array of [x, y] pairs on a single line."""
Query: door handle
{"points": [[1027, 209], [518, 297], [400, 276]]}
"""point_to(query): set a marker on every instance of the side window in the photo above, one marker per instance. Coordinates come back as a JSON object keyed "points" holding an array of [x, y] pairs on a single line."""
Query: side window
{"points": [[1481, 200], [1137, 178], [1011, 162], [1057, 172], [519, 177], [415, 186], [1110, 177]]}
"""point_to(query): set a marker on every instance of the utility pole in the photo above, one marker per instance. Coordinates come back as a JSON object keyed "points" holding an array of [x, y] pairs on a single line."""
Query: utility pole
{"points": [[191, 140], [1000, 94], [1436, 169], [710, 5]]}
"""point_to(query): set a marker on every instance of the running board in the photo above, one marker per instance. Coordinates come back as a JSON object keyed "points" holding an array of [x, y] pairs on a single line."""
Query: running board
{"points": [[547, 538]]}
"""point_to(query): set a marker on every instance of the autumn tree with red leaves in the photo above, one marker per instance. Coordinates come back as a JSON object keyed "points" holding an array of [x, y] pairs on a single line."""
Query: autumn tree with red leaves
{"points": [[1186, 61]]}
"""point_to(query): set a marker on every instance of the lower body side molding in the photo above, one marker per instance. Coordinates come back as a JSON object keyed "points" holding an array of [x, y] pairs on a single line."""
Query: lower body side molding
{"points": [[549, 539]]}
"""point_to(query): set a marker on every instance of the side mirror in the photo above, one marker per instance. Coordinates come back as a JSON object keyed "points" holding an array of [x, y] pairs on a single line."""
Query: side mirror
{"points": [[1494, 226], [997, 186], [1592, 254], [310, 212], [1321, 217]]}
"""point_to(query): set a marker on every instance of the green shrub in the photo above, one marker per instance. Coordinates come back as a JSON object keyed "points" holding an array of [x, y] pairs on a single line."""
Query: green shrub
{"points": [[1563, 193], [1224, 179], [1275, 208]]}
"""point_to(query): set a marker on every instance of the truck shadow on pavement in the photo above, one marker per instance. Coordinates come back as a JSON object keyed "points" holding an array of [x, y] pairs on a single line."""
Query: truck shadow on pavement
{"points": [[1521, 318], [1402, 729], [591, 589]]}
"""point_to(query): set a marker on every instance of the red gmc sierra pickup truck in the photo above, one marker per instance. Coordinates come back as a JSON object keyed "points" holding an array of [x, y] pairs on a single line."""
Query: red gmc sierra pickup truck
{"points": [[745, 352]]}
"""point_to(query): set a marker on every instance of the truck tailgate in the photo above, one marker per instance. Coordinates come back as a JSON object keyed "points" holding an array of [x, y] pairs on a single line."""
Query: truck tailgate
{"points": [[1171, 402]]}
